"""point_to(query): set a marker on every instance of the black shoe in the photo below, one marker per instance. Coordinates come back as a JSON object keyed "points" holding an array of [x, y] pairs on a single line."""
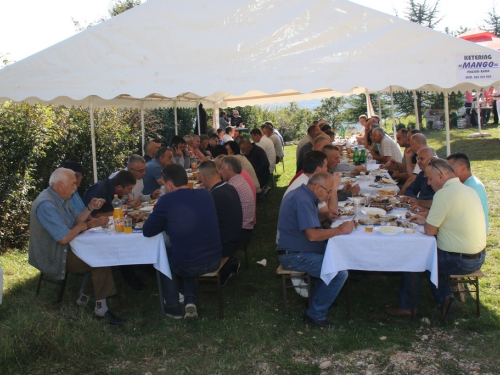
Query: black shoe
{"points": [[225, 278], [318, 323], [110, 319], [173, 312], [449, 309]]}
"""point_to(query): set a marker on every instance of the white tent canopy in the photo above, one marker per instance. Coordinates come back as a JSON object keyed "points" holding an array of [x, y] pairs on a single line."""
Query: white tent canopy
{"points": [[167, 53], [222, 51]]}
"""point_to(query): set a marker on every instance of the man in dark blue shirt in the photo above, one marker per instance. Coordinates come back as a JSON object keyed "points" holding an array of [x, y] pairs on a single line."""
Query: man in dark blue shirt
{"points": [[229, 215], [302, 242], [122, 184], [189, 218], [420, 190]]}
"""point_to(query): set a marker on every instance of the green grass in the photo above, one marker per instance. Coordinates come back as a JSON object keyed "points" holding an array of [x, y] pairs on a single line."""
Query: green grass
{"points": [[40, 337]]}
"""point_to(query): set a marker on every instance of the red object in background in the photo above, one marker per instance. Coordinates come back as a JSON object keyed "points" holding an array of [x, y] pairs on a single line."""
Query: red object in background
{"points": [[482, 37]]}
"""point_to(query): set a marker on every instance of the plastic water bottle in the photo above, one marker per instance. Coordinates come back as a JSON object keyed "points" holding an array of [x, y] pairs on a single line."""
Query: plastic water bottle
{"points": [[342, 131], [369, 160], [118, 214]]}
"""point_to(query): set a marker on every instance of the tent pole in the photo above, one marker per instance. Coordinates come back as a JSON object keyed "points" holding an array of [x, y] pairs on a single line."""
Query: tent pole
{"points": [[142, 129], [198, 117], [215, 117], [92, 137], [379, 106], [175, 117], [478, 111], [416, 108], [393, 116], [447, 120]]}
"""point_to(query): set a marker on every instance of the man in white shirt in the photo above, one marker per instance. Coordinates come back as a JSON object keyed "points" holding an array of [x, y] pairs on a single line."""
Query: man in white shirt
{"points": [[388, 148], [268, 130], [267, 145], [229, 134]]}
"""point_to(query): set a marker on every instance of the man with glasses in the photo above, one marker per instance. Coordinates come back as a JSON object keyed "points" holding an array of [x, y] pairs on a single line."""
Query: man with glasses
{"points": [[137, 166], [456, 218], [302, 242]]}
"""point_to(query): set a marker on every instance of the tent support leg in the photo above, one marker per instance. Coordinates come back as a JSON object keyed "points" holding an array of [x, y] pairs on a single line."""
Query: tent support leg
{"points": [[143, 133], [393, 115], [92, 137], [175, 118], [447, 123], [415, 104]]}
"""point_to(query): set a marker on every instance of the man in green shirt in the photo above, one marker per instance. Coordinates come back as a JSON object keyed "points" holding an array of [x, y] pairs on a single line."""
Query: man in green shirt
{"points": [[456, 218]]}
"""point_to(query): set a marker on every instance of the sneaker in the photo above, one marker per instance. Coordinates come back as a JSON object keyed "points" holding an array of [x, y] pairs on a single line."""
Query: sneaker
{"points": [[111, 319], [191, 311], [300, 286], [173, 312]]}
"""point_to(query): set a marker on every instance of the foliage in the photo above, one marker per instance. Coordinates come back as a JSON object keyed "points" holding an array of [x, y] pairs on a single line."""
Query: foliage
{"points": [[120, 6], [492, 23], [423, 14], [36, 139], [331, 109]]}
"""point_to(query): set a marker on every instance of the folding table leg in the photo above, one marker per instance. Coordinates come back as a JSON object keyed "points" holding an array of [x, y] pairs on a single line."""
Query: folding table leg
{"points": [[160, 293]]}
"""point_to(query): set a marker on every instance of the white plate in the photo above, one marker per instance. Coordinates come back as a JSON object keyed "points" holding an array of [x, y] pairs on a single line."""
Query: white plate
{"points": [[388, 230], [96, 229], [146, 209], [372, 211]]}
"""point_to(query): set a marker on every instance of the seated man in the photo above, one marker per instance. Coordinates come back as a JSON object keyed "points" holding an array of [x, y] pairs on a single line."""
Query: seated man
{"points": [[388, 148], [137, 166], [122, 184], [258, 158], [334, 165], [53, 225], [150, 149], [267, 145], [229, 135], [320, 140], [189, 218], [420, 192], [179, 149], [271, 133], [461, 166], [230, 170], [457, 219], [229, 215], [302, 243], [311, 133], [153, 179], [233, 149]]}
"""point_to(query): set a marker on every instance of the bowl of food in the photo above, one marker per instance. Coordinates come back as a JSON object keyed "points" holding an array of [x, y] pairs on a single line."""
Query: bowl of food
{"points": [[389, 230]]}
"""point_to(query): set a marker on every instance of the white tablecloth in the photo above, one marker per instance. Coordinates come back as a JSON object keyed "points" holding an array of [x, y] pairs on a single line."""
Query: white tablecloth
{"points": [[100, 249], [364, 251], [364, 184]]}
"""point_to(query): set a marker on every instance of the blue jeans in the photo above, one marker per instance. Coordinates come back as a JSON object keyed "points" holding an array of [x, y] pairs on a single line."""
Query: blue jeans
{"points": [[322, 295], [448, 264], [170, 288]]}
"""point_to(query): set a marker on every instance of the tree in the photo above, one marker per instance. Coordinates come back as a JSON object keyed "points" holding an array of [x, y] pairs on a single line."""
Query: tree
{"points": [[116, 7], [423, 14], [492, 23], [331, 110], [456, 33]]}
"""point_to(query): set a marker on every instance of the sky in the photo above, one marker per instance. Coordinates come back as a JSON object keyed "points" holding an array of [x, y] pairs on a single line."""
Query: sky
{"points": [[29, 26]]}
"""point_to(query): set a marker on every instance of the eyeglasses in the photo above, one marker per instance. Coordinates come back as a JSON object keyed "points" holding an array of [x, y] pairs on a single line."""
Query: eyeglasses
{"points": [[327, 191], [142, 170], [431, 162]]}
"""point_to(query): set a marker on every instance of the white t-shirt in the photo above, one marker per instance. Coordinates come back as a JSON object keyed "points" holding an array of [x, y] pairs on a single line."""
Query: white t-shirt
{"points": [[390, 148]]}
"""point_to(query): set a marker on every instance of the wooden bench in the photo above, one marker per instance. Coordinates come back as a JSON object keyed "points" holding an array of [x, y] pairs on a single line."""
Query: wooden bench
{"points": [[470, 279], [212, 277], [287, 275]]}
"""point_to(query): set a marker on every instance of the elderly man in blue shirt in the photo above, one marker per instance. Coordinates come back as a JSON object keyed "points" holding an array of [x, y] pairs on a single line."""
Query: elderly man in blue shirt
{"points": [[302, 241], [53, 225]]}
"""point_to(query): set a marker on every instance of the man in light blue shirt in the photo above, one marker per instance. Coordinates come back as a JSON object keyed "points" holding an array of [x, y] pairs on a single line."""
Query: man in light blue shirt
{"points": [[461, 165]]}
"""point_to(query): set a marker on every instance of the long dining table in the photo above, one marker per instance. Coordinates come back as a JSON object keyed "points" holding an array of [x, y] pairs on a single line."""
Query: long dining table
{"points": [[99, 248], [374, 251]]}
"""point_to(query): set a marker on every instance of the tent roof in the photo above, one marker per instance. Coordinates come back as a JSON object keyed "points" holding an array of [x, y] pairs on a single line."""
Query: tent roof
{"points": [[221, 52]]}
